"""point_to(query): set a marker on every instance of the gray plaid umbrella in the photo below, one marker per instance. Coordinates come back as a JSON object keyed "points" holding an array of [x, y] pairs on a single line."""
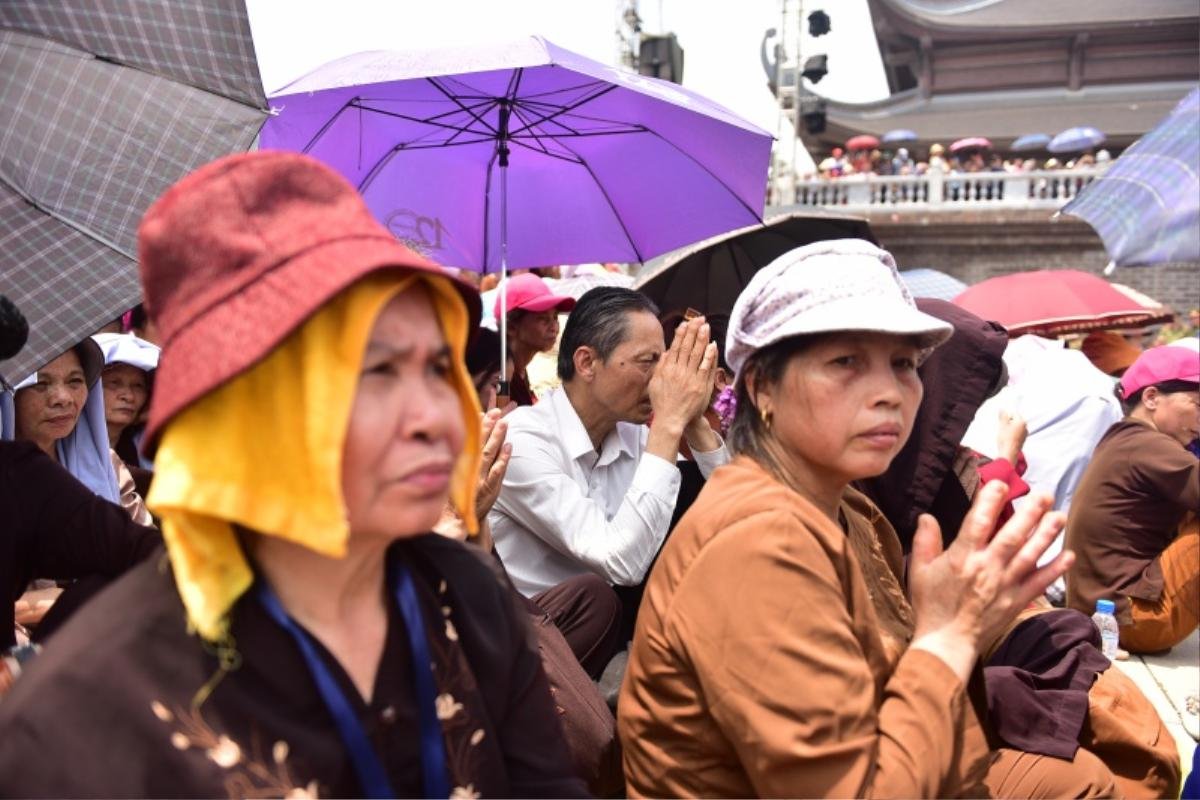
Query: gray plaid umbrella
{"points": [[103, 105]]}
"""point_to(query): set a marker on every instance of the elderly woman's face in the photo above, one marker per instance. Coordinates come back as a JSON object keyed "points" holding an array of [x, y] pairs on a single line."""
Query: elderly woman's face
{"points": [[845, 405], [48, 410], [406, 427], [125, 390]]}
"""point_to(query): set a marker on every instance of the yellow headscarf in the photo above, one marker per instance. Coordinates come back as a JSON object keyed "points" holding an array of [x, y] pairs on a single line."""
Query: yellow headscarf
{"points": [[265, 449]]}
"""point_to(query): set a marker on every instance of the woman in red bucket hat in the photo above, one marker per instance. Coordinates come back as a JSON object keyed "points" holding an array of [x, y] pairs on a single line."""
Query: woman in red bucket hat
{"points": [[311, 416]]}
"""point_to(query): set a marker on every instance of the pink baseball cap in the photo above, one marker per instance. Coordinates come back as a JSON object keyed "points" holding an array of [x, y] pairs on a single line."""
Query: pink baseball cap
{"points": [[528, 292], [1159, 364]]}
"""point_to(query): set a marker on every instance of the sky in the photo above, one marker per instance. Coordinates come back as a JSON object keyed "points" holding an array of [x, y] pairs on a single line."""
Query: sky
{"points": [[720, 39]]}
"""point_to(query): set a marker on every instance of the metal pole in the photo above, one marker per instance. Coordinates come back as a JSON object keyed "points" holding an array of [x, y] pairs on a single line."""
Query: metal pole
{"points": [[503, 152], [799, 86]]}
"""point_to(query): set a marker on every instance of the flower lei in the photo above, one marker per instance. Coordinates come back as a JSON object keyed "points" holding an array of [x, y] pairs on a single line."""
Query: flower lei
{"points": [[726, 406]]}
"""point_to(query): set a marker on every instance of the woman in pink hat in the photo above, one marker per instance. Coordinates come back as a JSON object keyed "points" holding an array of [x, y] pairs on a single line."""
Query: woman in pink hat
{"points": [[778, 650], [1133, 524], [310, 636], [533, 311]]}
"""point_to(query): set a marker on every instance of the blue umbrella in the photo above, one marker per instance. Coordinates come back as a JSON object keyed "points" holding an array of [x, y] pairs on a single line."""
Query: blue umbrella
{"points": [[1030, 141], [932, 283], [899, 135], [1146, 206], [1073, 140]]}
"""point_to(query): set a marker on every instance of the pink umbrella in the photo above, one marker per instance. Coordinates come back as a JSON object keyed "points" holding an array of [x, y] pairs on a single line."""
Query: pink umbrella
{"points": [[864, 141], [971, 143], [1050, 302]]}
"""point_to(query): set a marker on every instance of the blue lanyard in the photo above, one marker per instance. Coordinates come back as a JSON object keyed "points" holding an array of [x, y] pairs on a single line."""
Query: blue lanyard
{"points": [[372, 777]]}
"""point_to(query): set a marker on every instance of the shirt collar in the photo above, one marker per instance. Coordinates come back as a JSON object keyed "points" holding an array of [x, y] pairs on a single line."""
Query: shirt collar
{"points": [[574, 435], [576, 441]]}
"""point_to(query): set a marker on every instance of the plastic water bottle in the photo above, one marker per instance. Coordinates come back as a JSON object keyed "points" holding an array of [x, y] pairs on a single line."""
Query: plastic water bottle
{"points": [[1106, 623]]}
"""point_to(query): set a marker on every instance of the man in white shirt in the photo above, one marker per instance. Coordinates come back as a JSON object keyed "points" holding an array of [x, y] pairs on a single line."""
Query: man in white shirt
{"points": [[590, 487]]}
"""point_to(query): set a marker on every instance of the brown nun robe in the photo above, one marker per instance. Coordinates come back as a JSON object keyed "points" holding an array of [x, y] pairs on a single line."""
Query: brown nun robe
{"points": [[771, 659]]}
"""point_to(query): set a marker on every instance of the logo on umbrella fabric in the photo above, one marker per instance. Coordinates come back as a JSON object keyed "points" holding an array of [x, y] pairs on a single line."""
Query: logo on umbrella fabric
{"points": [[419, 233]]}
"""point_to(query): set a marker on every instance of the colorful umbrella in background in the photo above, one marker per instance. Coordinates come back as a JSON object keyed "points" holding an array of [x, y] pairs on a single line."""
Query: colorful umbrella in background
{"points": [[524, 154], [1161, 313], [971, 143], [102, 107], [1051, 302], [899, 136], [922, 282], [1146, 206], [1076, 140], [864, 141], [1030, 141]]}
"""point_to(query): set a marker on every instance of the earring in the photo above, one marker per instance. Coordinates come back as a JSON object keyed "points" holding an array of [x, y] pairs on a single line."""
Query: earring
{"points": [[765, 416]]}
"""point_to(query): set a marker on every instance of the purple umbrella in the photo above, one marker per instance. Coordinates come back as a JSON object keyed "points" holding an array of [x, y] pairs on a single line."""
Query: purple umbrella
{"points": [[604, 165], [525, 154]]}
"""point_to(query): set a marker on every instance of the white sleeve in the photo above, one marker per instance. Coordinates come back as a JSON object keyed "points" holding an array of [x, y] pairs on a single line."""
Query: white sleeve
{"points": [[538, 495], [707, 462]]}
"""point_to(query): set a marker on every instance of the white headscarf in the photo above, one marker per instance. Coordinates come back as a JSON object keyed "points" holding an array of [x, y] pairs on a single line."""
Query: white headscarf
{"points": [[84, 452], [125, 348]]}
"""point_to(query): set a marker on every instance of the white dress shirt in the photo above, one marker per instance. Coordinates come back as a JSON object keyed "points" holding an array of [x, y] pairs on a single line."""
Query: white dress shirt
{"points": [[565, 509]]}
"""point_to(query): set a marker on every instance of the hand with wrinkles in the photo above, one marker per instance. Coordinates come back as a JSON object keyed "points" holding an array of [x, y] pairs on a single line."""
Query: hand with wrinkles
{"points": [[492, 466], [963, 597]]}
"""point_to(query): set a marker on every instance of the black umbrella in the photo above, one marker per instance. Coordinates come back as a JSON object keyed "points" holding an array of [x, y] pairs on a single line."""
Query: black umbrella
{"points": [[103, 105], [710, 275]]}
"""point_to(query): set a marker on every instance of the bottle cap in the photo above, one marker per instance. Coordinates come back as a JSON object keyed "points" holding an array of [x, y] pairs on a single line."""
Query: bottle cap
{"points": [[1105, 606]]}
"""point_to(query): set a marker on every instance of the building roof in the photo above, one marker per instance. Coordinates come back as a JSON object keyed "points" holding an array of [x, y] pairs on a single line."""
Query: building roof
{"points": [[1002, 17], [1005, 68]]}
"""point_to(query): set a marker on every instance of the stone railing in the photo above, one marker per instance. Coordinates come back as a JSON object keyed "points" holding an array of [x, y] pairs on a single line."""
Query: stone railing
{"points": [[1042, 189]]}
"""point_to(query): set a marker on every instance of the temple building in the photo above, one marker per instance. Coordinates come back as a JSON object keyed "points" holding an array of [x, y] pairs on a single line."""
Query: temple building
{"points": [[1005, 68]]}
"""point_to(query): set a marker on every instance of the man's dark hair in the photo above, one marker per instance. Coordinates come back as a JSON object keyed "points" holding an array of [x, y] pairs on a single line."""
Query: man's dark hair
{"points": [[599, 321]]}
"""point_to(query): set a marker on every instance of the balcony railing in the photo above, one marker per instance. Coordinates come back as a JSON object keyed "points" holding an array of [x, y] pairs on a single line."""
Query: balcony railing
{"points": [[1042, 189]]}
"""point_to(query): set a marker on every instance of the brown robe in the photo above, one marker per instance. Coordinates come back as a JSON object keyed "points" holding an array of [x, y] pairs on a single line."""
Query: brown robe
{"points": [[114, 707], [1131, 499], [761, 667]]}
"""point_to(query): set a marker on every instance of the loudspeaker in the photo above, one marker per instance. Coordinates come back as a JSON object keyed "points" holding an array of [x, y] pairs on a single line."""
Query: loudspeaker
{"points": [[661, 57], [812, 114], [815, 68]]}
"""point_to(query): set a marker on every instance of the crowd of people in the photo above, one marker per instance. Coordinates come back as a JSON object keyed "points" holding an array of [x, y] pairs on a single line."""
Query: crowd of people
{"points": [[301, 527], [902, 161]]}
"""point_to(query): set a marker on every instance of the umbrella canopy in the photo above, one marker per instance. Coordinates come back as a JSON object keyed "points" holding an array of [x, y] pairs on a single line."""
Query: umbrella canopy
{"points": [[864, 141], [102, 107], [932, 283], [1030, 141], [578, 285], [1146, 206], [709, 275], [526, 148], [1074, 140], [971, 143], [899, 135], [1160, 312], [1050, 302]]}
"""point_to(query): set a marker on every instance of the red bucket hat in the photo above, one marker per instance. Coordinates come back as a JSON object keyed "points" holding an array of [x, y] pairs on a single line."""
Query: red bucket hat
{"points": [[238, 254]]}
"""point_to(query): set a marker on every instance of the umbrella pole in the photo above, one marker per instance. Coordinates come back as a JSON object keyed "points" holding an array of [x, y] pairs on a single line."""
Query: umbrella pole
{"points": [[503, 393]]}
